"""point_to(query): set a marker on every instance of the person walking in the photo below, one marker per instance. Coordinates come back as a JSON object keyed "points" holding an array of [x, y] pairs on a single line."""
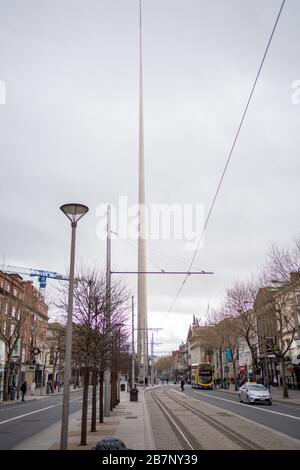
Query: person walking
{"points": [[182, 384], [23, 390], [33, 387]]}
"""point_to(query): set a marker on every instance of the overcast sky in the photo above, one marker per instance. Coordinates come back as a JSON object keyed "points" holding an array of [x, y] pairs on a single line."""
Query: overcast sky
{"points": [[69, 132]]}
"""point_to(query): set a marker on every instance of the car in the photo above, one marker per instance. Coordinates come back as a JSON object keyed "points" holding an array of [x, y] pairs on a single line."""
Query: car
{"points": [[252, 392]]}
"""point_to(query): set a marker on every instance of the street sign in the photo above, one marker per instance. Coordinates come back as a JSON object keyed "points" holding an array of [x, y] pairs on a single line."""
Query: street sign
{"points": [[271, 355]]}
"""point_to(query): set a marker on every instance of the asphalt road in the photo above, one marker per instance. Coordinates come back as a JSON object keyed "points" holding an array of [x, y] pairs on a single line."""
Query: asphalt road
{"points": [[24, 419], [283, 417]]}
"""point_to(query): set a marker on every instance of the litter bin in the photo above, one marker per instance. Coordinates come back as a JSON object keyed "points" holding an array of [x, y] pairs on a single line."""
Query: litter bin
{"points": [[134, 394], [122, 387], [12, 393]]}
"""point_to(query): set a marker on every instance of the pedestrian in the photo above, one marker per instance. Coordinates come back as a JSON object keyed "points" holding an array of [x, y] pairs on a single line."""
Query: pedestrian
{"points": [[33, 387], [182, 384], [23, 390]]}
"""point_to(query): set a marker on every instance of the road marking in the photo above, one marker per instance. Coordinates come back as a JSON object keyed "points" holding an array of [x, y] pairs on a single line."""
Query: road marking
{"points": [[243, 404], [33, 412]]}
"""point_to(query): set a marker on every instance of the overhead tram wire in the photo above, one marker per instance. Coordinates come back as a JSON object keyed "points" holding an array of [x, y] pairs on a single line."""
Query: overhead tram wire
{"points": [[228, 159], [132, 244]]}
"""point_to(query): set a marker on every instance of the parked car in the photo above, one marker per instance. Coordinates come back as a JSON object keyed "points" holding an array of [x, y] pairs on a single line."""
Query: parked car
{"points": [[251, 392]]}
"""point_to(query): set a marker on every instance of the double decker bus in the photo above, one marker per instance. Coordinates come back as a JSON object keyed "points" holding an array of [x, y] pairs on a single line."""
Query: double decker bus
{"points": [[202, 376]]}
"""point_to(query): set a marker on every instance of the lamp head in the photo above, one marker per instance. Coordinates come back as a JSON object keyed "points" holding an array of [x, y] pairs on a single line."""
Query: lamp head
{"points": [[74, 211]]}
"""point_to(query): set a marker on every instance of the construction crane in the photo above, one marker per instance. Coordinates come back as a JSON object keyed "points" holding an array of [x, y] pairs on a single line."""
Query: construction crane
{"points": [[41, 274]]}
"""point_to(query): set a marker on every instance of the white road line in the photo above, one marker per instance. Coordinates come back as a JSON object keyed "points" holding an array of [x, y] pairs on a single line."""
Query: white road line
{"points": [[243, 404], [33, 412]]}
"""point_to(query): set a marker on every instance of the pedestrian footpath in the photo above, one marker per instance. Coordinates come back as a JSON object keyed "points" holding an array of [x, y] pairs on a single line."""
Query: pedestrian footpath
{"points": [[129, 421], [294, 395]]}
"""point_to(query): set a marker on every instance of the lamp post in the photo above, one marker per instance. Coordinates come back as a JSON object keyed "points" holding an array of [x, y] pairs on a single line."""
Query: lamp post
{"points": [[132, 347], [74, 212]]}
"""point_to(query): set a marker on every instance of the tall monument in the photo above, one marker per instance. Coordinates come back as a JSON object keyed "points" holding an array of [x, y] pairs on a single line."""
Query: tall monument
{"points": [[142, 332]]}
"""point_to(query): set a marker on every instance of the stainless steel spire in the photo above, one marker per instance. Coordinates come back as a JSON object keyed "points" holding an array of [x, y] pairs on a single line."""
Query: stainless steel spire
{"points": [[142, 336]]}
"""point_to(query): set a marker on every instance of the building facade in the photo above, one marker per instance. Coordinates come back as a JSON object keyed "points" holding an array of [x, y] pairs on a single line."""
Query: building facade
{"points": [[23, 330]]}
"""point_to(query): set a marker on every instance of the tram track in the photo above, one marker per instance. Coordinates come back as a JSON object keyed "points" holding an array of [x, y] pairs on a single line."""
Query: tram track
{"points": [[186, 436]]}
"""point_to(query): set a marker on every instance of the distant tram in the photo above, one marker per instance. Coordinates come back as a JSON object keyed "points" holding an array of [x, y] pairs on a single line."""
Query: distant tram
{"points": [[202, 376]]}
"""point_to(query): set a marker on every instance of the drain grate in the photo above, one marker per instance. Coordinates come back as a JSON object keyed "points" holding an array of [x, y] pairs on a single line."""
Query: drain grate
{"points": [[130, 417]]}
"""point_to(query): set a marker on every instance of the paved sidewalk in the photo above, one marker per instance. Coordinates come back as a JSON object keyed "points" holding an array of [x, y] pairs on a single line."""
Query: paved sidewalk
{"points": [[129, 421], [294, 395]]}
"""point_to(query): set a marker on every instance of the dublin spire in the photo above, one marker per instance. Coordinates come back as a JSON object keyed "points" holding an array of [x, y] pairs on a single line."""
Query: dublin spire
{"points": [[142, 334]]}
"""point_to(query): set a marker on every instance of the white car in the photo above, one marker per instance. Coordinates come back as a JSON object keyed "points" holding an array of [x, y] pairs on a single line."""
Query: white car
{"points": [[251, 392]]}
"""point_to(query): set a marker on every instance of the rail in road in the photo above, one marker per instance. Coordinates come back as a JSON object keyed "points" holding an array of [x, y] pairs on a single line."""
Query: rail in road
{"points": [[186, 437], [282, 417]]}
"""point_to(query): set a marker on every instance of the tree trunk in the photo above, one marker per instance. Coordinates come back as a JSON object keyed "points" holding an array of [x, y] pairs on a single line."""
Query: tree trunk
{"points": [[284, 384], [94, 401], [85, 406], [5, 384], [101, 397], [234, 374], [113, 390], [112, 394], [6, 377], [221, 368]]}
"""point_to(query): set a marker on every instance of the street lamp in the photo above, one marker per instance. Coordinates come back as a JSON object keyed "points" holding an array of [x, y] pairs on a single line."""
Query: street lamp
{"points": [[74, 212]]}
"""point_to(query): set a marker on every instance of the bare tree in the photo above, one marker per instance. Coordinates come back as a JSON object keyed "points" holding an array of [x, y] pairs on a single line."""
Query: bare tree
{"points": [[280, 262], [164, 365], [93, 337], [239, 302], [282, 269], [217, 339], [278, 327], [56, 337]]}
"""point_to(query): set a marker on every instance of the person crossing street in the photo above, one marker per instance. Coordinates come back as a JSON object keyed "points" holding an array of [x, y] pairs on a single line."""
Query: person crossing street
{"points": [[23, 390]]}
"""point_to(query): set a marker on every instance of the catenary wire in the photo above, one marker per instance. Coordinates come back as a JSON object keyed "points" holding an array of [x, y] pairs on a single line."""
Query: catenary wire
{"points": [[228, 159]]}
